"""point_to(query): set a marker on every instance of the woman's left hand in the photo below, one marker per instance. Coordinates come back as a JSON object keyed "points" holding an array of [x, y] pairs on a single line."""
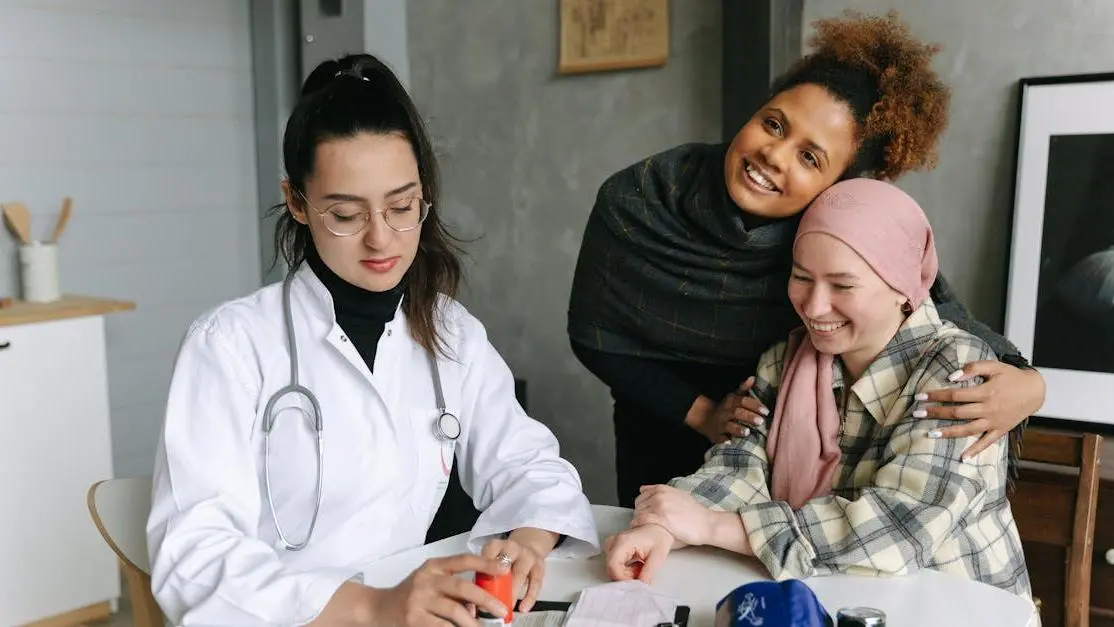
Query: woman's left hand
{"points": [[688, 521], [527, 564], [1008, 396]]}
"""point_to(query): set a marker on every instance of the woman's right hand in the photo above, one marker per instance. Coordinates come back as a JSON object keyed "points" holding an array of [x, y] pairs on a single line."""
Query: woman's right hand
{"points": [[737, 412], [638, 553], [432, 594]]}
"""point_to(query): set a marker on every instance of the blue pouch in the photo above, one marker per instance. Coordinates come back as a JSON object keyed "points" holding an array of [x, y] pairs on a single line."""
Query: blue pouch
{"points": [[788, 603]]}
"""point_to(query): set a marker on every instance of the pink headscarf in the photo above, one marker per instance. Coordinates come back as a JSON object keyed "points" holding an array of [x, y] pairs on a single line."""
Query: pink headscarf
{"points": [[888, 229]]}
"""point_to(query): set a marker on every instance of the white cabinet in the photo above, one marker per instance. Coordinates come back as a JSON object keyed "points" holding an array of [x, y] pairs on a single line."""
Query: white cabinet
{"points": [[55, 441]]}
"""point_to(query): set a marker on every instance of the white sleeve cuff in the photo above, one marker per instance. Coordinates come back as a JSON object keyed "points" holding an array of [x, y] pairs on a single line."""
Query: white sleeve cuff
{"points": [[318, 594], [581, 541]]}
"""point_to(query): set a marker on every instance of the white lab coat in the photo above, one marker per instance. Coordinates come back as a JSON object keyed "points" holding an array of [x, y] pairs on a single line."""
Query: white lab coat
{"points": [[215, 554]]}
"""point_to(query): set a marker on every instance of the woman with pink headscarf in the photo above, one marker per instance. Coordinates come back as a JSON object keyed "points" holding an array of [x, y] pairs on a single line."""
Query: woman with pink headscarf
{"points": [[849, 476]]}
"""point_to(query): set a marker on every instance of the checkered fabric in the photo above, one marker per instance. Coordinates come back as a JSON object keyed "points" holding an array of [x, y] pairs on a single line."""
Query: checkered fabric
{"points": [[900, 501]]}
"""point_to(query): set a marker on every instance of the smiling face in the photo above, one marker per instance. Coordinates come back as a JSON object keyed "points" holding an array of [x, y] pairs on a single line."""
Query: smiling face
{"points": [[795, 147], [847, 308], [366, 172]]}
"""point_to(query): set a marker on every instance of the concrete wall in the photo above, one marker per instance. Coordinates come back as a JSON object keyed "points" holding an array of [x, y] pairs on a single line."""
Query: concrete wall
{"points": [[524, 151]]}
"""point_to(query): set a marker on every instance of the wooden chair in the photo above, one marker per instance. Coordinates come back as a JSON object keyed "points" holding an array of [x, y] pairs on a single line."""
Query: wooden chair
{"points": [[1056, 507], [119, 508]]}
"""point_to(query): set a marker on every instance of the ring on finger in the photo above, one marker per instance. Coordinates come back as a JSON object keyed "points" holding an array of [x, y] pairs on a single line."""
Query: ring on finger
{"points": [[504, 559]]}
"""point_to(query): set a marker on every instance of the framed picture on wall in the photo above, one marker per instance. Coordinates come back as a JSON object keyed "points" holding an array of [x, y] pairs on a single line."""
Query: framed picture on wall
{"points": [[599, 35], [1060, 300]]}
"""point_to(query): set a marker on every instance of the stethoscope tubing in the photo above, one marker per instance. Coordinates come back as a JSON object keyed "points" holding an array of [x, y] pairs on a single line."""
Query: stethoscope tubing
{"points": [[294, 387]]}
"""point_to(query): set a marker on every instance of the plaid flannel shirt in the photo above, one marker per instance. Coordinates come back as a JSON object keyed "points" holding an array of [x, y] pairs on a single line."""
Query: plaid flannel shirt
{"points": [[900, 501]]}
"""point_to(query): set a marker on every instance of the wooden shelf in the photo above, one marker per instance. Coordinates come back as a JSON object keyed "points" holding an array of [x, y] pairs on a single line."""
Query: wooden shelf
{"points": [[69, 306]]}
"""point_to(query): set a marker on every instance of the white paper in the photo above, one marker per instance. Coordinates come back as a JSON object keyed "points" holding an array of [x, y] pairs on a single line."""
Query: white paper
{"points": [[539, 619], [621, 604]]}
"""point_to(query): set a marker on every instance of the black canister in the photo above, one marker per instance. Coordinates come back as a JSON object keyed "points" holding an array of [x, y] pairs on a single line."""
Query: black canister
{"points": [[487, 619], [860, 617]]}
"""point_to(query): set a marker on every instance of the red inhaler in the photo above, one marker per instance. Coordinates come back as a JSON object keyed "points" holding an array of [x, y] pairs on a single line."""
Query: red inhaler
{"points": [[636, 568], [502, 588]]}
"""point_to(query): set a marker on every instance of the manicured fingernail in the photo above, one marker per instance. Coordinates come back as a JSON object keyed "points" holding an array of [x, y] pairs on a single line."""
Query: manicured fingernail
{"points": [[920, 413], [955, 376], [934, 434], [763, 411], [758, 422], [921, 396]]}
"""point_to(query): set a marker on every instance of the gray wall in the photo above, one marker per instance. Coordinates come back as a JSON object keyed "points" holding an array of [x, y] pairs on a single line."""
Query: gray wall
{"points": [[985, 51], [275, 43], [386, 34], [142, 112], [524, 152]]}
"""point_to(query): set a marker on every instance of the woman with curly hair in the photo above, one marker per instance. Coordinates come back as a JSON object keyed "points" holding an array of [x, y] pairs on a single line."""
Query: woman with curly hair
{"points": [[680, 283]]}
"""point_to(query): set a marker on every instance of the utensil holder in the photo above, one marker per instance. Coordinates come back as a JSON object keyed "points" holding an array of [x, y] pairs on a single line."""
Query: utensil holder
{"points": [[38, 266]]}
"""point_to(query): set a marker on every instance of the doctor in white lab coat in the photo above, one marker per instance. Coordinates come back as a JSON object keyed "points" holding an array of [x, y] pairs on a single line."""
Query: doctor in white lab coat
{"points": [[374, 271]]}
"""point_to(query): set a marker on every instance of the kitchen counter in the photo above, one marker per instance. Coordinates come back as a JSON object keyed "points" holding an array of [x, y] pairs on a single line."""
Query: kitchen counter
{"points": [[69, 306]]}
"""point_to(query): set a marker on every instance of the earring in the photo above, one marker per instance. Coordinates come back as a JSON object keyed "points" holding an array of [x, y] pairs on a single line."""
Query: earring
{"points": [[906, 308]]}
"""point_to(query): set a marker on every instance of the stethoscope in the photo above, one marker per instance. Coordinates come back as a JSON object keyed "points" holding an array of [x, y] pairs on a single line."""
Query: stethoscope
{"points": [[446, 427]]}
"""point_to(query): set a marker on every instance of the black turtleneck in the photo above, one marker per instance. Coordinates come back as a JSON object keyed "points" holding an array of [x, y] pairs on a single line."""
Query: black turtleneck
{"points": [[362, 314]]}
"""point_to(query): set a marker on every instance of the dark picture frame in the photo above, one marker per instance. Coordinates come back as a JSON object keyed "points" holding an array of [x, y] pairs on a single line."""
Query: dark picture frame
{"points": [[1060, 296]]}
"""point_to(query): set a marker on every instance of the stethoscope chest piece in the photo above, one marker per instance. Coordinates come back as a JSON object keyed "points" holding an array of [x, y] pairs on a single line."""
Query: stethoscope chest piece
{"points": [[447, 427]]}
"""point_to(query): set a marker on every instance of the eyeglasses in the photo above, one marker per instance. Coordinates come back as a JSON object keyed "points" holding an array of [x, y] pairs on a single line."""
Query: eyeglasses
{"points": [[347, 218]]}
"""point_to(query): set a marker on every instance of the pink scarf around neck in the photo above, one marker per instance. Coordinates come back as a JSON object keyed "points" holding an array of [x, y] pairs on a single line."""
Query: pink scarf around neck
{"points": [[803, 444], [890, 231]]}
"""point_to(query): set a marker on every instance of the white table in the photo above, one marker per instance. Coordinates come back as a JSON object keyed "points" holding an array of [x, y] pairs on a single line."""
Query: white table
{"points": [[700, 577]]}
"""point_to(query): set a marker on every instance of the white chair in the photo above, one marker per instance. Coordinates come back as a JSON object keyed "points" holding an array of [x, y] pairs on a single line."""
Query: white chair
{"points": [[119, 508]]}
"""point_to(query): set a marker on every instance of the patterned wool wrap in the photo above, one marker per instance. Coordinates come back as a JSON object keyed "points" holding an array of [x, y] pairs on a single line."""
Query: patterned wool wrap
{"points": [[668, 270]]}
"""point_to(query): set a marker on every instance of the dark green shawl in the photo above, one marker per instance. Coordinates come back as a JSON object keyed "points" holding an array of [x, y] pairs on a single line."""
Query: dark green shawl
{"points": [[667, 268]]}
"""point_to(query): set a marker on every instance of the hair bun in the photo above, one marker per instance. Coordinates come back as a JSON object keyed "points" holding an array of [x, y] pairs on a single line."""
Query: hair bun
{"points": [[320, 77], [359, 66], [911, 111]]}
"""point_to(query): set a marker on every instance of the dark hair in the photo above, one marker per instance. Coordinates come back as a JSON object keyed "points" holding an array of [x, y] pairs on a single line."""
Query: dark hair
{"points": [[885, 76], [343, 98]]}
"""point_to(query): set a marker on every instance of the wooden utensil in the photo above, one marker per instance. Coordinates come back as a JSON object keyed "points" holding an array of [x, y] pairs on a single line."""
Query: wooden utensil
{"points": [[67, 207], [19, 220]]}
